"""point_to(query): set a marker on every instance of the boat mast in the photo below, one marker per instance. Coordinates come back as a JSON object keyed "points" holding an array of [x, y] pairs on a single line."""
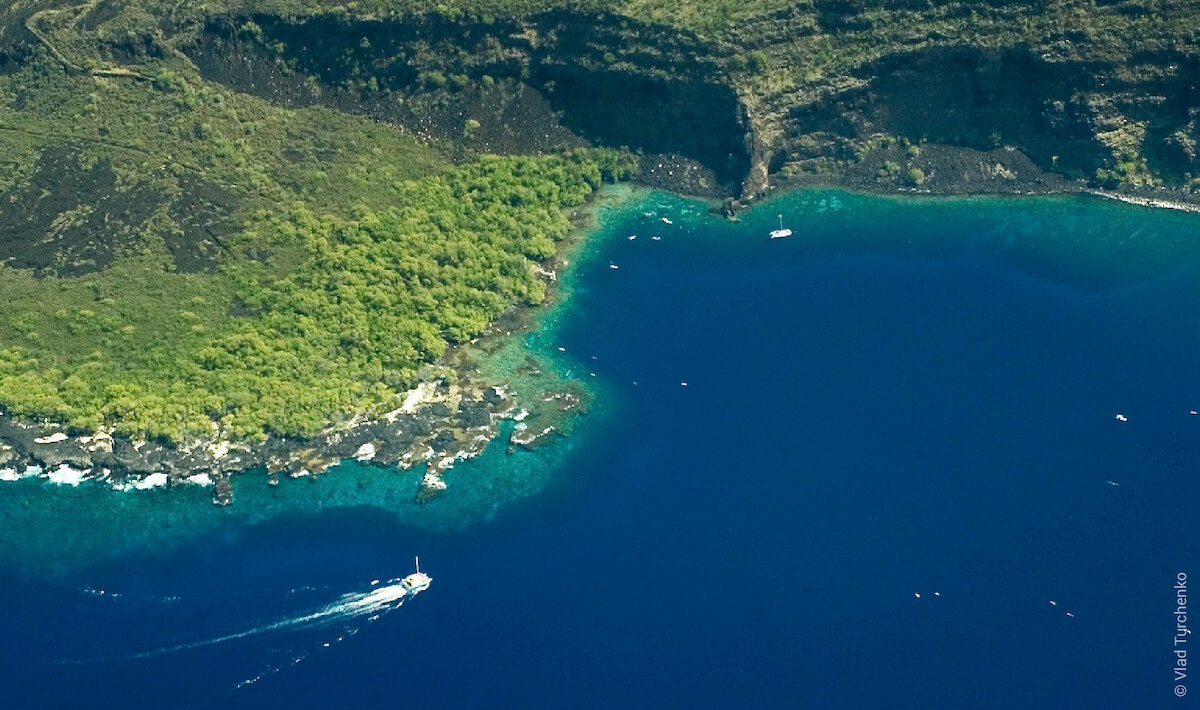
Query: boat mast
{"points": [[418, 560], [781, 223]]}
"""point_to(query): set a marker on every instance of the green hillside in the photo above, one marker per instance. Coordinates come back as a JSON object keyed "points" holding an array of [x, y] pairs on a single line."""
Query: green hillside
{"points": [[262, 217]]}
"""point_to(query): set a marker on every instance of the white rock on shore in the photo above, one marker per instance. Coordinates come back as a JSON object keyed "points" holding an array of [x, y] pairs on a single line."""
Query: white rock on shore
{"points": [[99, 441], [414, 398], [366, 452]]}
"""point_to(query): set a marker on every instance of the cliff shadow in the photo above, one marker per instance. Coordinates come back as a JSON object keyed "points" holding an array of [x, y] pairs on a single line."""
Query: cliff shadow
{"points": [[553, 81]]}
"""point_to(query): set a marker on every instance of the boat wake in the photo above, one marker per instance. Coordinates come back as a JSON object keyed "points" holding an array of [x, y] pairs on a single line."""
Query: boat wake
{"points": [[346, 608], [347, 614]]}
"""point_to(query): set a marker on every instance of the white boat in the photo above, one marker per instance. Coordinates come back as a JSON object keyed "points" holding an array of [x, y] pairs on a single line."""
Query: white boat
{"points": [[780, 233], [417, 581]]}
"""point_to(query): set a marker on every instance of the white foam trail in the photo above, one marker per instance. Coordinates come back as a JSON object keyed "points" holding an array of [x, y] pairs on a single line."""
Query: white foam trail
{"points": [[357, 605], [348, 606]]}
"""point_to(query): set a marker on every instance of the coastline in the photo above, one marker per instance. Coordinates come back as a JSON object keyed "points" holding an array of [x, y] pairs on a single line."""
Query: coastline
{"points": [[453, 413], [948, 170], [1155, 203], [73, 522], [520, 353], [781, 188], [458, 409]]}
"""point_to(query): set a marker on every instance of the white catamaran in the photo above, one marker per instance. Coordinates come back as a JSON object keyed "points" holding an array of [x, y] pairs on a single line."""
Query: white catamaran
{"points": [[780, 233]]}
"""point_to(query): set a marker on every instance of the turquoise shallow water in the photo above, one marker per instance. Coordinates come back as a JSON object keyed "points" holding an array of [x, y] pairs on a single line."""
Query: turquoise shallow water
{"points": [[909, 397], [65, 528]]}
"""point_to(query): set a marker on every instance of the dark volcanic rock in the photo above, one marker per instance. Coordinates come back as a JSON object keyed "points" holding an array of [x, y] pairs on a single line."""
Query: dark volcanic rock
{"points": [[473, 414], [444, 441], [70, 218], [202, 212], [458, 424], [543, 82]]}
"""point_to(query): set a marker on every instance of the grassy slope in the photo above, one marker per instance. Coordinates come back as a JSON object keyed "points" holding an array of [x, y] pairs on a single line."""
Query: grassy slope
{"points": [[358, 253]]}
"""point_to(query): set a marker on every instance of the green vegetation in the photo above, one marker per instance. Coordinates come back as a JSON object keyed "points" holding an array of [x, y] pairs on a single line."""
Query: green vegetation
{"points": [[208, 259], [341, 311], [288, 267], [1129, 170]]}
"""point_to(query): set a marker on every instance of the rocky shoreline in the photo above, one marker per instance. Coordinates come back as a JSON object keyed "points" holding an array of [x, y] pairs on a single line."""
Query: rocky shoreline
{"points": [[441, 422], [453, 414], [957, 171], [942, 170]]}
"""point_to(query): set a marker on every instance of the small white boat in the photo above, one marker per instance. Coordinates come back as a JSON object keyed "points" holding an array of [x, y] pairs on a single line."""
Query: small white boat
{"points": [[417, 581], [780, 233], [667, 221]]}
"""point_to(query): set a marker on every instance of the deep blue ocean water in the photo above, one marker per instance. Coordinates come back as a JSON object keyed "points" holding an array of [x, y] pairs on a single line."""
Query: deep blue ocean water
{"points": [[910, 396]]}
